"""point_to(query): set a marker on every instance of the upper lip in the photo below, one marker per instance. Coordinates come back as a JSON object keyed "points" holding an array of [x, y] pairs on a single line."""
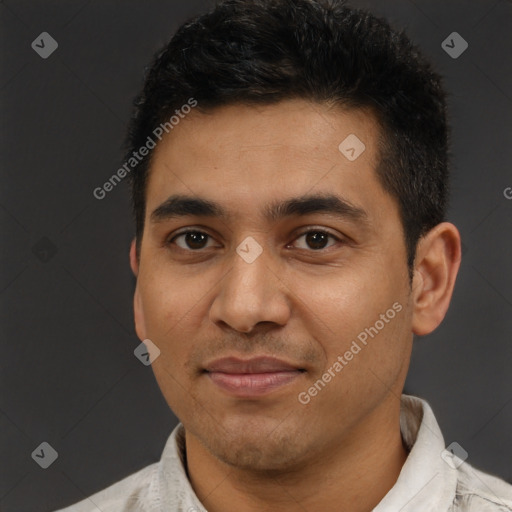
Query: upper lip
{"points": [[261, 364]]}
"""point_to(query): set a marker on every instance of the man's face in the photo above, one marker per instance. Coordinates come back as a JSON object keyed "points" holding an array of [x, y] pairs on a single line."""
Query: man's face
{"points": [[303, 300]]}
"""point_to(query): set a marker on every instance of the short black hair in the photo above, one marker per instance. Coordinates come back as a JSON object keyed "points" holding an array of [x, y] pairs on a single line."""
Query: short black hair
{"points": [[265, 51]]}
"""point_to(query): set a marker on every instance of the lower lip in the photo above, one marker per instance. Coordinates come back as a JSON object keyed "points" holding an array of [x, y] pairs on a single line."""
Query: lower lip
{"points": [[252, 384]]}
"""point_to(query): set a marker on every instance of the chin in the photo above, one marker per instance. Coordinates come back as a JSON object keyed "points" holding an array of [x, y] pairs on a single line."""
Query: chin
{"points": [[255, 445]]}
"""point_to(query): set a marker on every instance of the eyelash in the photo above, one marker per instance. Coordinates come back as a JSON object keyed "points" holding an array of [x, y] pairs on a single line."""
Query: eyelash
{"points": [[303, 233]]}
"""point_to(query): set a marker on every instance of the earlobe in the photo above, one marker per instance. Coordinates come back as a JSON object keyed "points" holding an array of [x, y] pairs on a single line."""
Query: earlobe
{"points": [[138, 314], [437, 263], [134, 264], [138, 311]]}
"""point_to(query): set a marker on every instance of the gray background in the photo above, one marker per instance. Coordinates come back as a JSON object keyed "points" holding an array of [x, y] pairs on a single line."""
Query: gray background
{"points": [[68, 373]]}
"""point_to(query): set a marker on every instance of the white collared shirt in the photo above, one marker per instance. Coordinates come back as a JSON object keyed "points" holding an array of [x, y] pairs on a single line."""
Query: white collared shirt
{"points": [[432, 479]]}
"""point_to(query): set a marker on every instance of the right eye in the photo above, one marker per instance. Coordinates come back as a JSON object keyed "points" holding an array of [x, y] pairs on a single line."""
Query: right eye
{"points": [[191, 240]]}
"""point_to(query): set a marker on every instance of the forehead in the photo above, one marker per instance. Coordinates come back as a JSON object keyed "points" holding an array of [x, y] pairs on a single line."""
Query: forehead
{"points": [[244, 156]]}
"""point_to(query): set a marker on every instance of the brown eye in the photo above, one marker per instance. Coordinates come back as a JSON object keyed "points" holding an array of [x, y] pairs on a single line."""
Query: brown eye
{"points": [[193, 240], [316, 240]]}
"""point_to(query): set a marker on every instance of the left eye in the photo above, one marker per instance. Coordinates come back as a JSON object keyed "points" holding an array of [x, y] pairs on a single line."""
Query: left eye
{"points": [[316, 240]]}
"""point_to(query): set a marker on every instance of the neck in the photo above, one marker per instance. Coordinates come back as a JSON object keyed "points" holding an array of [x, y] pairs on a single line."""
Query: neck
{"points": [[355, 475]]}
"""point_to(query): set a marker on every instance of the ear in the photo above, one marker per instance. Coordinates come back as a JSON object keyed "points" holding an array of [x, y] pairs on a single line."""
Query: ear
{"points": [[435, 269], [138, 311]]}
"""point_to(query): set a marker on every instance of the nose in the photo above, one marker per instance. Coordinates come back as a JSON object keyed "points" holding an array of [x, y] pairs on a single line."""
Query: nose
{"points": [[251, 294]]}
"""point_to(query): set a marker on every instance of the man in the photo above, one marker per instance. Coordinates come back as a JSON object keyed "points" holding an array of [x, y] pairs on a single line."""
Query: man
{"points": [[289, 187]]}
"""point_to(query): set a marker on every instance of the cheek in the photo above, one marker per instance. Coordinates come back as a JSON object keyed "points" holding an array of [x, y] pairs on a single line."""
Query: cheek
{"points": [[167, 298], [361, 314], [344, 302], [171, 312]]}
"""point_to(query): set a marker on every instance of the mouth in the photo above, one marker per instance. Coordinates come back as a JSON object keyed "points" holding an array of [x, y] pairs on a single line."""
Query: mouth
{"points": [[254, 377]]}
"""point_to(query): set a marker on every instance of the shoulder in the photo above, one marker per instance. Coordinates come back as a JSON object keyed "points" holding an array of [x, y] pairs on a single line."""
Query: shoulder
{"points": [[144, 491], [127, 495], [480, 492]]}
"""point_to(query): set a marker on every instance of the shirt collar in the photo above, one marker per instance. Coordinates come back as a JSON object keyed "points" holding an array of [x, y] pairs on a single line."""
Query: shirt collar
{"points": [[426, 481]]}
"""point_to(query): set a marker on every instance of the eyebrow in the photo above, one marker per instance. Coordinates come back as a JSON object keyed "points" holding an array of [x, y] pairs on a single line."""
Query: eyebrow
{"points": [[182, 206]]}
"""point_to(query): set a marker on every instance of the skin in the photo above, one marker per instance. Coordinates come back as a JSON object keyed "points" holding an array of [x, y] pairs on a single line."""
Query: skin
{"points": [[343, 450]]}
